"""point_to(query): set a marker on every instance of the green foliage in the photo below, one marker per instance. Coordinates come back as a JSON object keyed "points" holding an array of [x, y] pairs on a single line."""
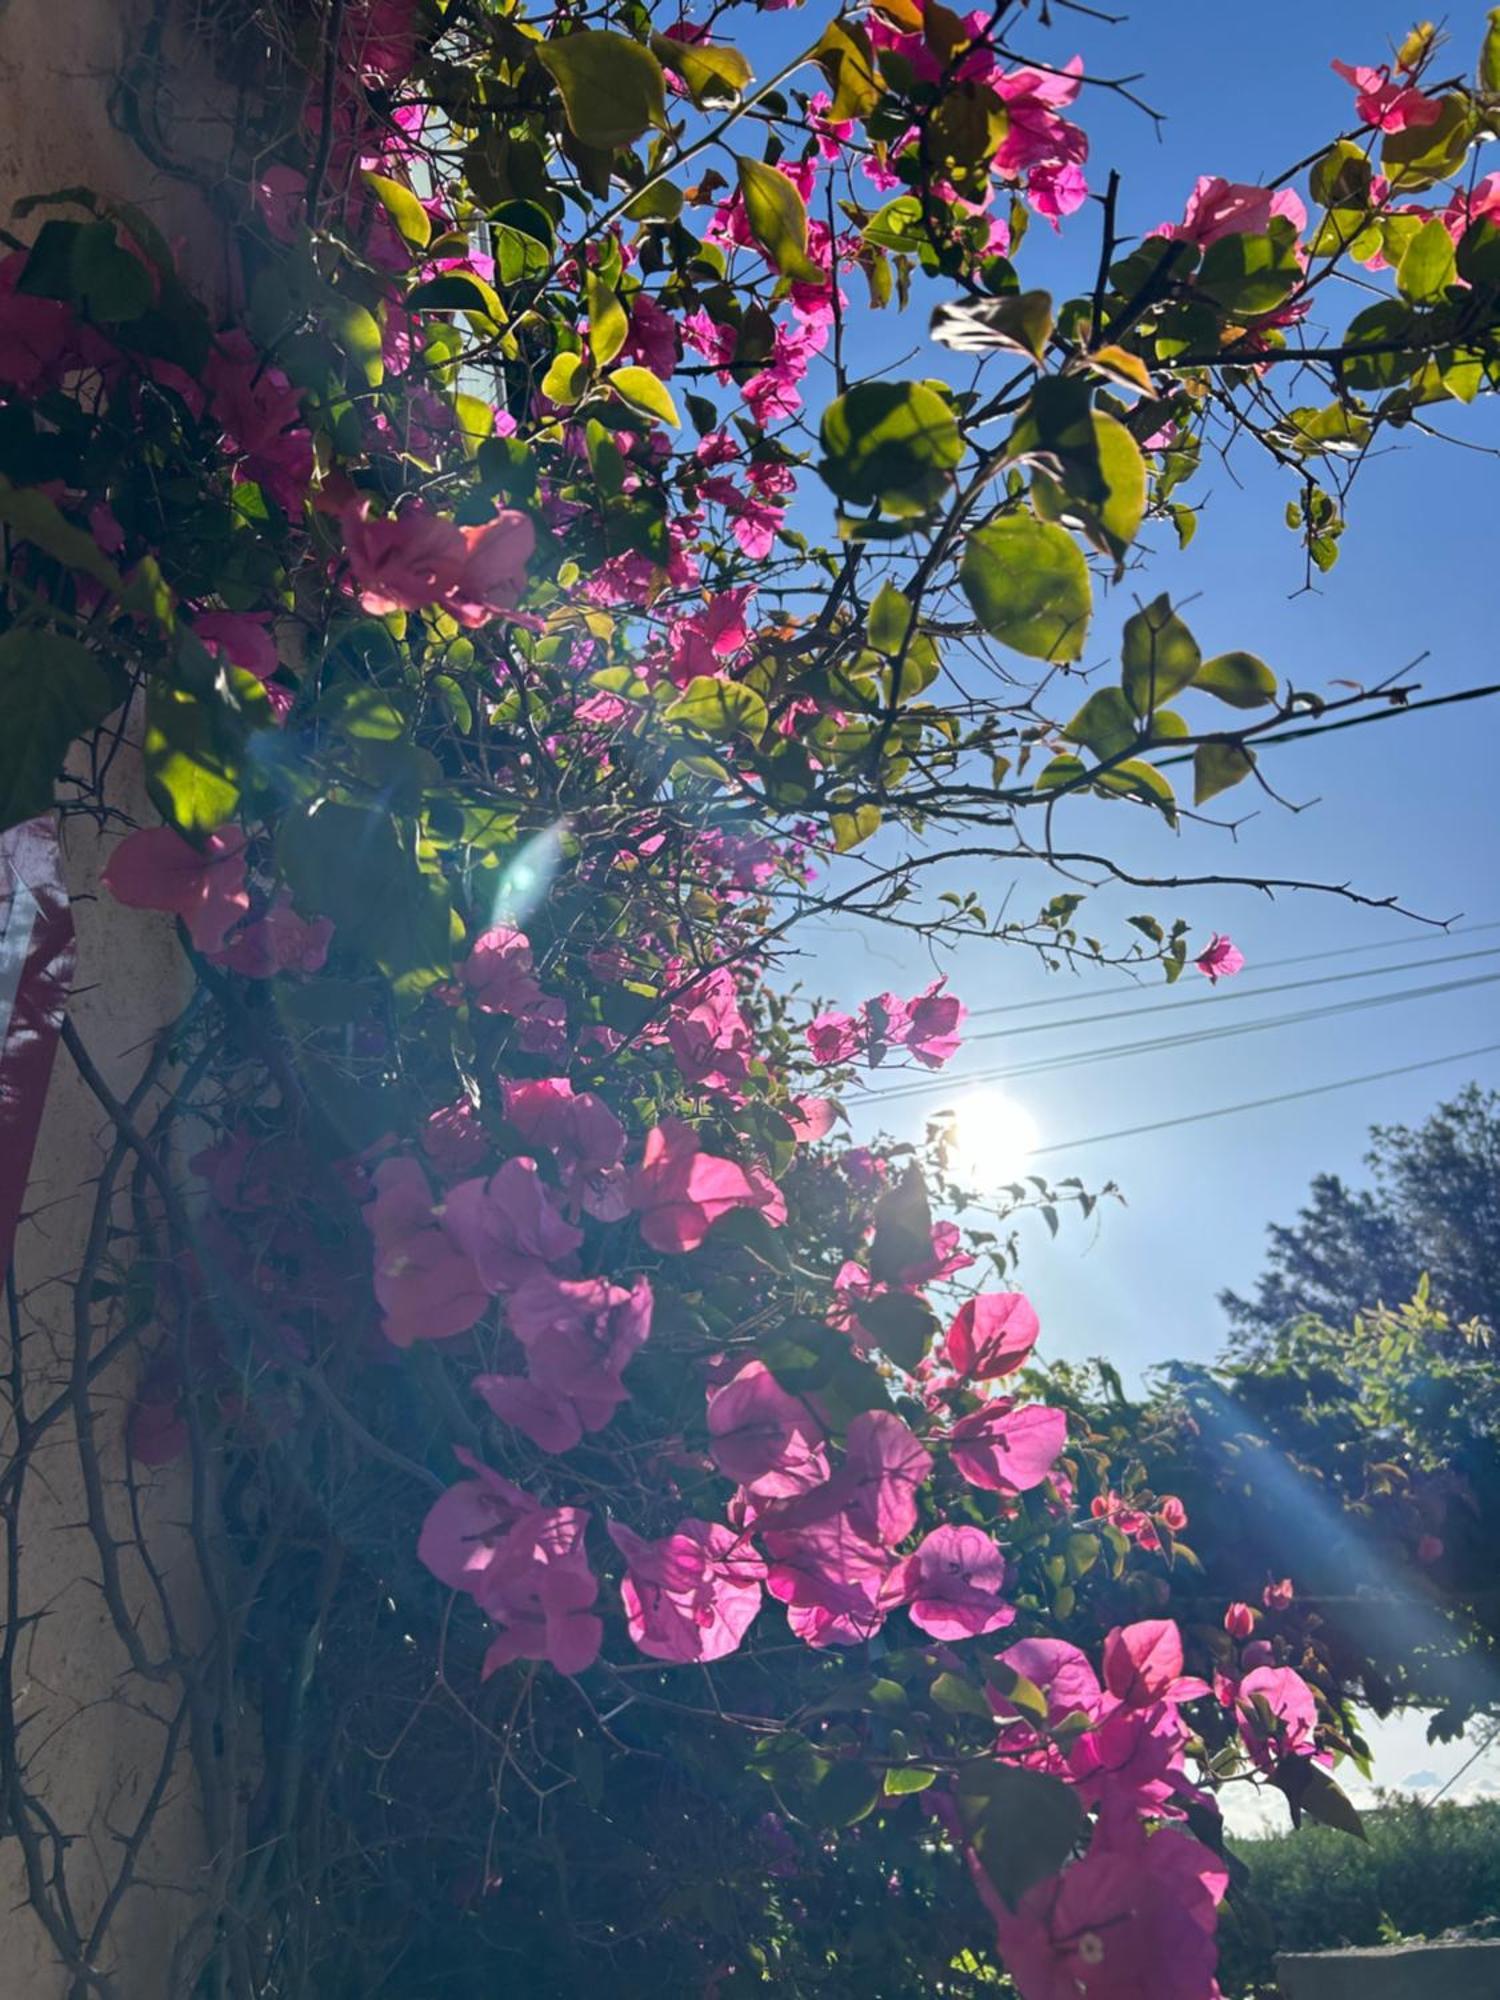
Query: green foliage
{"points": [[1421, 1871]]}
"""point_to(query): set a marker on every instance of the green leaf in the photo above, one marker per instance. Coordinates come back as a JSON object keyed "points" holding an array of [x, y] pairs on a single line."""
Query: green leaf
{"points": [[612, 88], [1312, 1794], [777, 219], [1159, 655], [1247, 275], [847, 1793], [52, 691], [83, 263], [643, 391], [1238, 678], [1022, 1694], [1489, 54], [566, 379], [1341, 179], [1430, 263], [901, 1325], [609, 324], [956, 1696], [719, 709], [413, 223], [1217, 765], [1090, 469], [357, 332], [1020, 323], [903, 1229], [358, 866], [1028, 585], [458, 291], [195, 738], [1422, 154], [889, 620], [849, 829], [1140, 780], [34, 518], [713, 73], [891, 443], [1022, 1825], [1105, 724], [909, 1778], [847, 59]]}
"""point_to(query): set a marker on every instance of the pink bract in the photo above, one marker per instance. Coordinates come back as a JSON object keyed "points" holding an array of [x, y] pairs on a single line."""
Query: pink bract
{"points": [[992, 1335], [157, 869]]}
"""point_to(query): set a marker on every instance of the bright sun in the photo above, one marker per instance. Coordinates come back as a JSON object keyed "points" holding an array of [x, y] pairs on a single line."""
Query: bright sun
{"points": [[993, 1139]]}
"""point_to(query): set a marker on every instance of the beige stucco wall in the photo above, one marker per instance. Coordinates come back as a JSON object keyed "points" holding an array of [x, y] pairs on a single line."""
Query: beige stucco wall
{"points": [[94, 1731]]}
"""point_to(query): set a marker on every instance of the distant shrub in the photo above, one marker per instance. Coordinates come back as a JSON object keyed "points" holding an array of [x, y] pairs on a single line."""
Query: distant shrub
{"points": [[1423, 1870]]}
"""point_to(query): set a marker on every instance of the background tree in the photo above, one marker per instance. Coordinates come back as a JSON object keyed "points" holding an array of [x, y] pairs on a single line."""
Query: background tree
{"points": [[1434, 1208]]}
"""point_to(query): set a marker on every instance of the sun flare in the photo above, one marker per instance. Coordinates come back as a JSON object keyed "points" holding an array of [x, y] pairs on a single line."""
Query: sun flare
{"points": [[993, 1138]]}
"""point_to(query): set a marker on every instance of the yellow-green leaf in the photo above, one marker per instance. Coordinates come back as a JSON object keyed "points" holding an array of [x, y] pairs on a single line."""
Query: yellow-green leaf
{"points": [[566, 379], [1029, 586], [716, 708], [777, 219], [850, 828], [35, 519], [413, 223], [1217, 765], [1238, 678], [846, 58], [609, 325], [358, 333], [612, 89], [1159, 654], [713, 73], [458, 291], [643, 391]]}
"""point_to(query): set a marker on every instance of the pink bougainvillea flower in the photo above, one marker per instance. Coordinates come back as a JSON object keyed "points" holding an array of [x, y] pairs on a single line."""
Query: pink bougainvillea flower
{"points": [[1219, 208], [1220, 959], [833, 1580], [679, 1193], [401, 562], [579, 1334], [764, 1438], [241, 637], [692, 1595], [491, 572], [951, 1584], [260, 412], [812, 1118], [279, 941], [945, 1257], [1064, 1674], [156, 869], [1388, 106], [1277, 1715], [453, 1138], [834, 1038], [933, 1021], [511, 1224], [992, 1335], [542, 1606], [1143, 1663], [474, 1526], [1007, 1448], [1240, 1620], [576, 1126], [709, 1035], [550, 1420], [1133, 1922], [425, 1282], [884, 1464], [498, 973]]}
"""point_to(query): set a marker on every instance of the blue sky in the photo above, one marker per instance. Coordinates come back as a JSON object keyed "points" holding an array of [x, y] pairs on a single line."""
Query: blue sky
{"points": [[1405, 808]]}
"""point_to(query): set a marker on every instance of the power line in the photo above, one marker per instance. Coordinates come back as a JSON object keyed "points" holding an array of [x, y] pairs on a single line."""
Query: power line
{"points": [[1355, 721], [1237, 993], [1081, 1058], [1250, 972], [1261, 1103]]}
